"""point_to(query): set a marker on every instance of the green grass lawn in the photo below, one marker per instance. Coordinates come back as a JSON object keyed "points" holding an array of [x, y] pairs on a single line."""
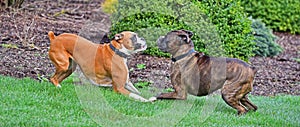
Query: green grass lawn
{"points": [[27, 102]]}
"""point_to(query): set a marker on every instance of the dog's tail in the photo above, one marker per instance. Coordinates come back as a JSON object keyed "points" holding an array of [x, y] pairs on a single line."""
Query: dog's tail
{"points": [[51, 35]]}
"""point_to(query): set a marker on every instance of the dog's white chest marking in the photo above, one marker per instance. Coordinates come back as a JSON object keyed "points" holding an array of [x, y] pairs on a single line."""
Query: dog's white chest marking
{"points": [[125, 62], [125, 50]]}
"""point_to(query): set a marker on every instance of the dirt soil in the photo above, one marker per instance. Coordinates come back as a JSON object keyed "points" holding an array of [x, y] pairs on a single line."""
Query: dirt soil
{"points": [[24, 46]]}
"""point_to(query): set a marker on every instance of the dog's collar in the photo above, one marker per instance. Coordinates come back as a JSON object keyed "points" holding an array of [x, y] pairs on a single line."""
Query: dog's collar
{"points": [[182, 56], [117, 51]]}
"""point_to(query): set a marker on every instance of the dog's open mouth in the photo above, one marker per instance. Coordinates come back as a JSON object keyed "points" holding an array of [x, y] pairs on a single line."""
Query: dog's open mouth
{"points": [[144, 47], [141, 48]]}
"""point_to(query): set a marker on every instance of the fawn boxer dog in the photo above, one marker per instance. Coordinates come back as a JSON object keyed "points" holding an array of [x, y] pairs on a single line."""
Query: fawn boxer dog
{"points": [[200, 75], [102, 64]]}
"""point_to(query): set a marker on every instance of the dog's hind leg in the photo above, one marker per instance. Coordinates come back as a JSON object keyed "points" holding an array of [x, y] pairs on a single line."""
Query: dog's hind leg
{"points": [[246, 102], [61, 63], [232, 98], [71, 69], [55, 78]]}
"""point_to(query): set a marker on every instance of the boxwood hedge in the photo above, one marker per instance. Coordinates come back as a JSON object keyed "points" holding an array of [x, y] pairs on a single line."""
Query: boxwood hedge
{"points": [[279, 15], [220, 27]]}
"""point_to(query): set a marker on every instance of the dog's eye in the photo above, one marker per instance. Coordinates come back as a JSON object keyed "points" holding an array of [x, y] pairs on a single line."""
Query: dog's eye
{"points": [[189, 33], [133, 39], [183, 37]]}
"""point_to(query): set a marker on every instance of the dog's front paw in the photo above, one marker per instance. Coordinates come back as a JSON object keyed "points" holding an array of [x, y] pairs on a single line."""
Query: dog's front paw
{"points": [[152, 99]]}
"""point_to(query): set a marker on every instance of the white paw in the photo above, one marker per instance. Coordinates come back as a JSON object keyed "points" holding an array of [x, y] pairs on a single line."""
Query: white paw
{"points": [[152, 99], [58, 86]]}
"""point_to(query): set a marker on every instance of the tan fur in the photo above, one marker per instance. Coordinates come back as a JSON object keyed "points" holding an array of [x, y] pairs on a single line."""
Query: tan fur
{"points": [[98, 62]]}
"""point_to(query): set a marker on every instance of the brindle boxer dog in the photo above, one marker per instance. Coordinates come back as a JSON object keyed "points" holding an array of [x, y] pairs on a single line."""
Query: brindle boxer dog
{"points": [[200, 75], [102, 64]]}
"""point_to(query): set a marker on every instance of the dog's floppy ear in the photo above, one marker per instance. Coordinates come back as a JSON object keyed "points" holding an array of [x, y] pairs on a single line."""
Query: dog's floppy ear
{"points": [[118, 37], [105, 39]]}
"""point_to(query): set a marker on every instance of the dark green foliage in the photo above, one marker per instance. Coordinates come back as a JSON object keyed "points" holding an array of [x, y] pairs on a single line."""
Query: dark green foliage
{"points": [[233, 26], [220, 28], [265, 39], [150, 20], [279, 15]]}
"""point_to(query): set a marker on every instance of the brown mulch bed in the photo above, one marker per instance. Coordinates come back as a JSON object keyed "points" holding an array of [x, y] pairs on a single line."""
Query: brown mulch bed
{"points": [[24, 46]]}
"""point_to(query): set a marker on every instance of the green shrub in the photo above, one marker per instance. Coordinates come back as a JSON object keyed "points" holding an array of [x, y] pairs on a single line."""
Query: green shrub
{"points": [[279, 15], [233, 26], [265, 39], [152, 19], [220, 28]]}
